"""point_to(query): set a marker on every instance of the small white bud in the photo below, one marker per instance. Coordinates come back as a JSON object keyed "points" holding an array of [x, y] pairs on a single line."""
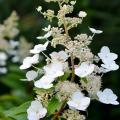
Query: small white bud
{"points": [[73, 2], [39, 8], [82, 14]]}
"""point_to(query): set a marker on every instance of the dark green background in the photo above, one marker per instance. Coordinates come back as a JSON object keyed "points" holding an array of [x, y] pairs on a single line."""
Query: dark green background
{"points": [[102, 14]]}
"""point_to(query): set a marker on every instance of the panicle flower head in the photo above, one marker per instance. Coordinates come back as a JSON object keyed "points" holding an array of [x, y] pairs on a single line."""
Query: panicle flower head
{"points": [[69, 73]]}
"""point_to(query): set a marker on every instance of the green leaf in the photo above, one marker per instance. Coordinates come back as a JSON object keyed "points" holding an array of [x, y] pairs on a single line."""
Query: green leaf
{"points": [[85, 80], [20, 117], [18, 113], [53, 105], [65, 76]]}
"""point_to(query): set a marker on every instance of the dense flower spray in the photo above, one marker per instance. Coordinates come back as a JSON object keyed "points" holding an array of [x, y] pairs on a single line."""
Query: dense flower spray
{"points": [[65, 88], [10, 48]]}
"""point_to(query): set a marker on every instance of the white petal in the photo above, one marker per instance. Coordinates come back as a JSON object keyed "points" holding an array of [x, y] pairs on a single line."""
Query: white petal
{"points": [[106, 56], [45, 82], [78, 101], [35, 59], [31, 75], [3, 56], [111, 66], [3, 70], [47, 35], [36, 111], [115, 103], [39, 48], [46, 29], [28, 61], [62, 55], [95, 31], [72, 105], [84, 69], [77, 95], [105, 50], [25, 66], [54, 69], [107, 97], [84, 103]]}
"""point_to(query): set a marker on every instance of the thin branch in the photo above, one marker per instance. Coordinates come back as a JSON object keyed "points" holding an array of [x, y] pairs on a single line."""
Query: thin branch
{"points": [[56, 115]]}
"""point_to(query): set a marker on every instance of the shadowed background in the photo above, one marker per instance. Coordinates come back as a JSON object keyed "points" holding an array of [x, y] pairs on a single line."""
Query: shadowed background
{"points": [[103, 15]]}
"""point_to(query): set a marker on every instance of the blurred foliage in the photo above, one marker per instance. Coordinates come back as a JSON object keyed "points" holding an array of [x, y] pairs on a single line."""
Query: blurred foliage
{"points": [[104, 15]]}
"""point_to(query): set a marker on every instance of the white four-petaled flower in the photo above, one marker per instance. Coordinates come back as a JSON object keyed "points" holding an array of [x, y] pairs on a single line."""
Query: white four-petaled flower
{"points": [[29, 61], [31, 75], [3, 58], [107, 97], [52, 71], [106, 56], [45, 82], [94, 31], [36, 111], [62, 55], [39, 48], [84, 69], [108, 59], [3, 70], [78, 101]]}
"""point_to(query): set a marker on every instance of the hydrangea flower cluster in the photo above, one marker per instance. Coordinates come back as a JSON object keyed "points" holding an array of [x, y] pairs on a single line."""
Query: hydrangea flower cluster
{"points": [[9, 47], [63, 86]]}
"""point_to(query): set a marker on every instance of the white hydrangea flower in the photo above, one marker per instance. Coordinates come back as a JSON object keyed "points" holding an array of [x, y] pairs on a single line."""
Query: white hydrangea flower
{"points": [[46, 29], [31, 75], [62, 55], [55, 69], [82, 14], [36, 111], [29, 61], [47, 35], [3, 70], [45, 82], [84, 69], [106, 56], [52, 71], [14, 44], [107, 97], [3, 58], [110, 66], [78, 101], [94, 31], [39, 48], [108, 59]]}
